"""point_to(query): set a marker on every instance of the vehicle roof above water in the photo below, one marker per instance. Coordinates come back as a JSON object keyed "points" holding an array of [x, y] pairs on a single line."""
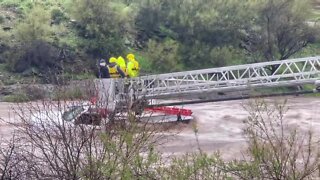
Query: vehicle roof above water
{"points": [[58, 116]]}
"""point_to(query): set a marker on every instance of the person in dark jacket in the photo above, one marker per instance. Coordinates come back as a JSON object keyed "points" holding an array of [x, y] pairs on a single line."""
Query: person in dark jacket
{"points": [[103, 69]]}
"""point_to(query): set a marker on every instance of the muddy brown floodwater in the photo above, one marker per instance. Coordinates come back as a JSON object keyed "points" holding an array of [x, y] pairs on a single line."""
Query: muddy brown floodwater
{"points": [[219, 125]]}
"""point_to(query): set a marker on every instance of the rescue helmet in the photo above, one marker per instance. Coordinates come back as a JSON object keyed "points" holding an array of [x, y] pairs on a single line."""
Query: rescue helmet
{"points": [[130, 57], [112, 60], [120, 58]]}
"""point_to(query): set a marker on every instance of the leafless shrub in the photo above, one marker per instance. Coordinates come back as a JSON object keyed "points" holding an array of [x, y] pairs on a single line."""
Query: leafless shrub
{"points": [[34, 92], [196, 166], [88, 147], [276, 149], [11, 163]]}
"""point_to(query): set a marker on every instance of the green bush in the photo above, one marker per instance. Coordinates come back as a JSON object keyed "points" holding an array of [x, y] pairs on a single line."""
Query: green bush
{"points": [[26, 93], [34, 93], [35, 26], [18, 5], [145, 63], [163, 56], [57, 16], [276, 148], [68, 94], [16, 98], [74, 76], [10, 3], [102, 25], [2, 18], [200, 55], [8, 78], [196, 166], [38, 57]]}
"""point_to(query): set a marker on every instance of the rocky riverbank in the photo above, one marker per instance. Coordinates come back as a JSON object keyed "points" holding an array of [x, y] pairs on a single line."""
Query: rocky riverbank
{"points": [[31, 92]]}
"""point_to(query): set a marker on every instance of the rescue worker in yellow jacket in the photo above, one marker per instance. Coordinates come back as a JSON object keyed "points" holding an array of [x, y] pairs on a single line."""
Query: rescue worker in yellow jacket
{"points": [[133, 66], [114, 69], [122, 64]]}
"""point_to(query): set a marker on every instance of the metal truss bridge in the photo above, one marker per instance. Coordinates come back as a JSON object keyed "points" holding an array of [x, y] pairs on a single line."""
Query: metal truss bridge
{"points": [[289, 72]]}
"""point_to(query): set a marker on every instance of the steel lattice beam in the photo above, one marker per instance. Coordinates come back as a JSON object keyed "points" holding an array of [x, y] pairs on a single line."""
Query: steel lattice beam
{"points": [[288, 72]]}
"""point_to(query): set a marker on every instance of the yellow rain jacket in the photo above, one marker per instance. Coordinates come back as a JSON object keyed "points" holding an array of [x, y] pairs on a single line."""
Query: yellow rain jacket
{"points": [[113, 69], [133, 68], [122, 64]]}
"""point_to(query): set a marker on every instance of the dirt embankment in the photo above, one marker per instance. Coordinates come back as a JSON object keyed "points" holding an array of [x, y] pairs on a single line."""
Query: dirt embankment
{"points": [[35, 92]]}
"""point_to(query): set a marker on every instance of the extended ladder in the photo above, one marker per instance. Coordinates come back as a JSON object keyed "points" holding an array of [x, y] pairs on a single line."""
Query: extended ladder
{"points": [[233, 78]]}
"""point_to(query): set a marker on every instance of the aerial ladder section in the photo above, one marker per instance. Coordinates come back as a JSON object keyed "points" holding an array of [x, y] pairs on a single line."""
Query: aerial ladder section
{"points": [[182, 85], [121, 97], [289, 72]]}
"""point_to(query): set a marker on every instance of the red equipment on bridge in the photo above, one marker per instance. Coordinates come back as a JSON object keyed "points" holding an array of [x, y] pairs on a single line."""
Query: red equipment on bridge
{"points": [[171, 110], [179, 112]]}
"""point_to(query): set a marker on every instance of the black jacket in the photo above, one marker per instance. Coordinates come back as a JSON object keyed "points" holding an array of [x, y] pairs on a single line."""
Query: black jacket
{"points": [[104, 72]]}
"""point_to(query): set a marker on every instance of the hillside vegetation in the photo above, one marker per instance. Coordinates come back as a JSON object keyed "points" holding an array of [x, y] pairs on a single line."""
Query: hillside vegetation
{"points": [[47, 37]]}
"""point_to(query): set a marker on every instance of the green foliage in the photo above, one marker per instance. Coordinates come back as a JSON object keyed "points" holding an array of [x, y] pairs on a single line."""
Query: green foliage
{"points": [[68, 94], [164, 56], [34, 93], [311, 87], [4, 36], [7, 79], [130, 152], [310, 50], [102, 25], [10, 3], [196, 166], [201, 28], [36, 26], [213, 23], [201, 55], [150, 17], [144, 62], [57, 16], [167, 35], [75, 76], [273, 143], [25, 94], [16, 98], [16, 3], [38, 57], [2, 18], [226, 56], [68, 39], [279, 31]]}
